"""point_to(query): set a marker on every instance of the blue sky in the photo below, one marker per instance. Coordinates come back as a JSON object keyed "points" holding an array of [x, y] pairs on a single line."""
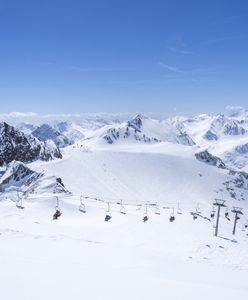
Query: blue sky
{"points": [[70, 56]]}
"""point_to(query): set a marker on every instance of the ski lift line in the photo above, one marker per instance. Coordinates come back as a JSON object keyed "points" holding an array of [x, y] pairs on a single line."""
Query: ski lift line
{"points": [[133, 203], [94, 199], [137, 204], [127, 202], [168, 205]]}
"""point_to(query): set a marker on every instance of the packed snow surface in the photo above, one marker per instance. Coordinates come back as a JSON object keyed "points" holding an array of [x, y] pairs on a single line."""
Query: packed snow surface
{"points": [[80, 256]]}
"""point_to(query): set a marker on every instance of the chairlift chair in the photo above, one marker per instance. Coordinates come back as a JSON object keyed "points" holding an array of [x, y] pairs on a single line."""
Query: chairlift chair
{"points": [[19, 205], [108, 215], [57, 213], [145, 216], [227, 214], [212, 213], [19, 202], [179, 210], [194, 216], [122, 209], [246, 225], [82, 206], [157, 210], [172, 216], [198, 210]]}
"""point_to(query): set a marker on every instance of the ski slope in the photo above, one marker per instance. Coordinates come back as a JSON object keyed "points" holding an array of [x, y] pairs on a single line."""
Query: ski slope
{"points": [[146, 173], [82, 256]]}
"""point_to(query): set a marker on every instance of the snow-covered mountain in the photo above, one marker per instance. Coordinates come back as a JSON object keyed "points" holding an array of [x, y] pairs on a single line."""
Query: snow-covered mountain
{"points": [[237, 112], [223, 136], [46, 132], [218, 140], [213, 128], [71, 131], [142, 129], [157, 169], [15, 145]]}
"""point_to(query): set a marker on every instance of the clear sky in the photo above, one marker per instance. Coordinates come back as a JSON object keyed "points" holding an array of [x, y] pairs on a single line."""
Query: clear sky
{"points": [[70, 56]]}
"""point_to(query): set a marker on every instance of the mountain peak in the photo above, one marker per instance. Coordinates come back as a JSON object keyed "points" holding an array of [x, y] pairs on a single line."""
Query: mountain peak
{"points": [[137, 121]]}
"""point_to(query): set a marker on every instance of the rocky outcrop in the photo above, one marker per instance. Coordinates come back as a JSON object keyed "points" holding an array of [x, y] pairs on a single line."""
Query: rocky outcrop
{"points": [[17, 173], [114, 134], [206, 157], [210, 136], [144, 129], [15, 145], [19, 177]]}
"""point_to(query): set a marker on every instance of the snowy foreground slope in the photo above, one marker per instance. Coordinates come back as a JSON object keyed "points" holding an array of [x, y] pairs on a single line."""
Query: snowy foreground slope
{"points": [[81, 256], [153, 168]]}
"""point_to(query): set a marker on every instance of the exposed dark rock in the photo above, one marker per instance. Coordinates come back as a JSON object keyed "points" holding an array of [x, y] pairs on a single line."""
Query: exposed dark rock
{"points": [[210, 136], [210, 159], [15, 145], [242, 149], [17, 174]]}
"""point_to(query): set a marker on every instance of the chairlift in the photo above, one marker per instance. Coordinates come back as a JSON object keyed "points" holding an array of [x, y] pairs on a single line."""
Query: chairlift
{"points": [[108, 215], [172, 216], [194, 215], [122, 209], [212, 213], [198, 209], [145, 216], [157, 210], [82, 206], [227, 214], [179, 210], [58, 212], [19, 202], [246, 225]]}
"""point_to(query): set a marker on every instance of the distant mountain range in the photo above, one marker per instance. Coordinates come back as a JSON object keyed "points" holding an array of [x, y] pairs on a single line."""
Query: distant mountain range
{"points": [[218, 140]]}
